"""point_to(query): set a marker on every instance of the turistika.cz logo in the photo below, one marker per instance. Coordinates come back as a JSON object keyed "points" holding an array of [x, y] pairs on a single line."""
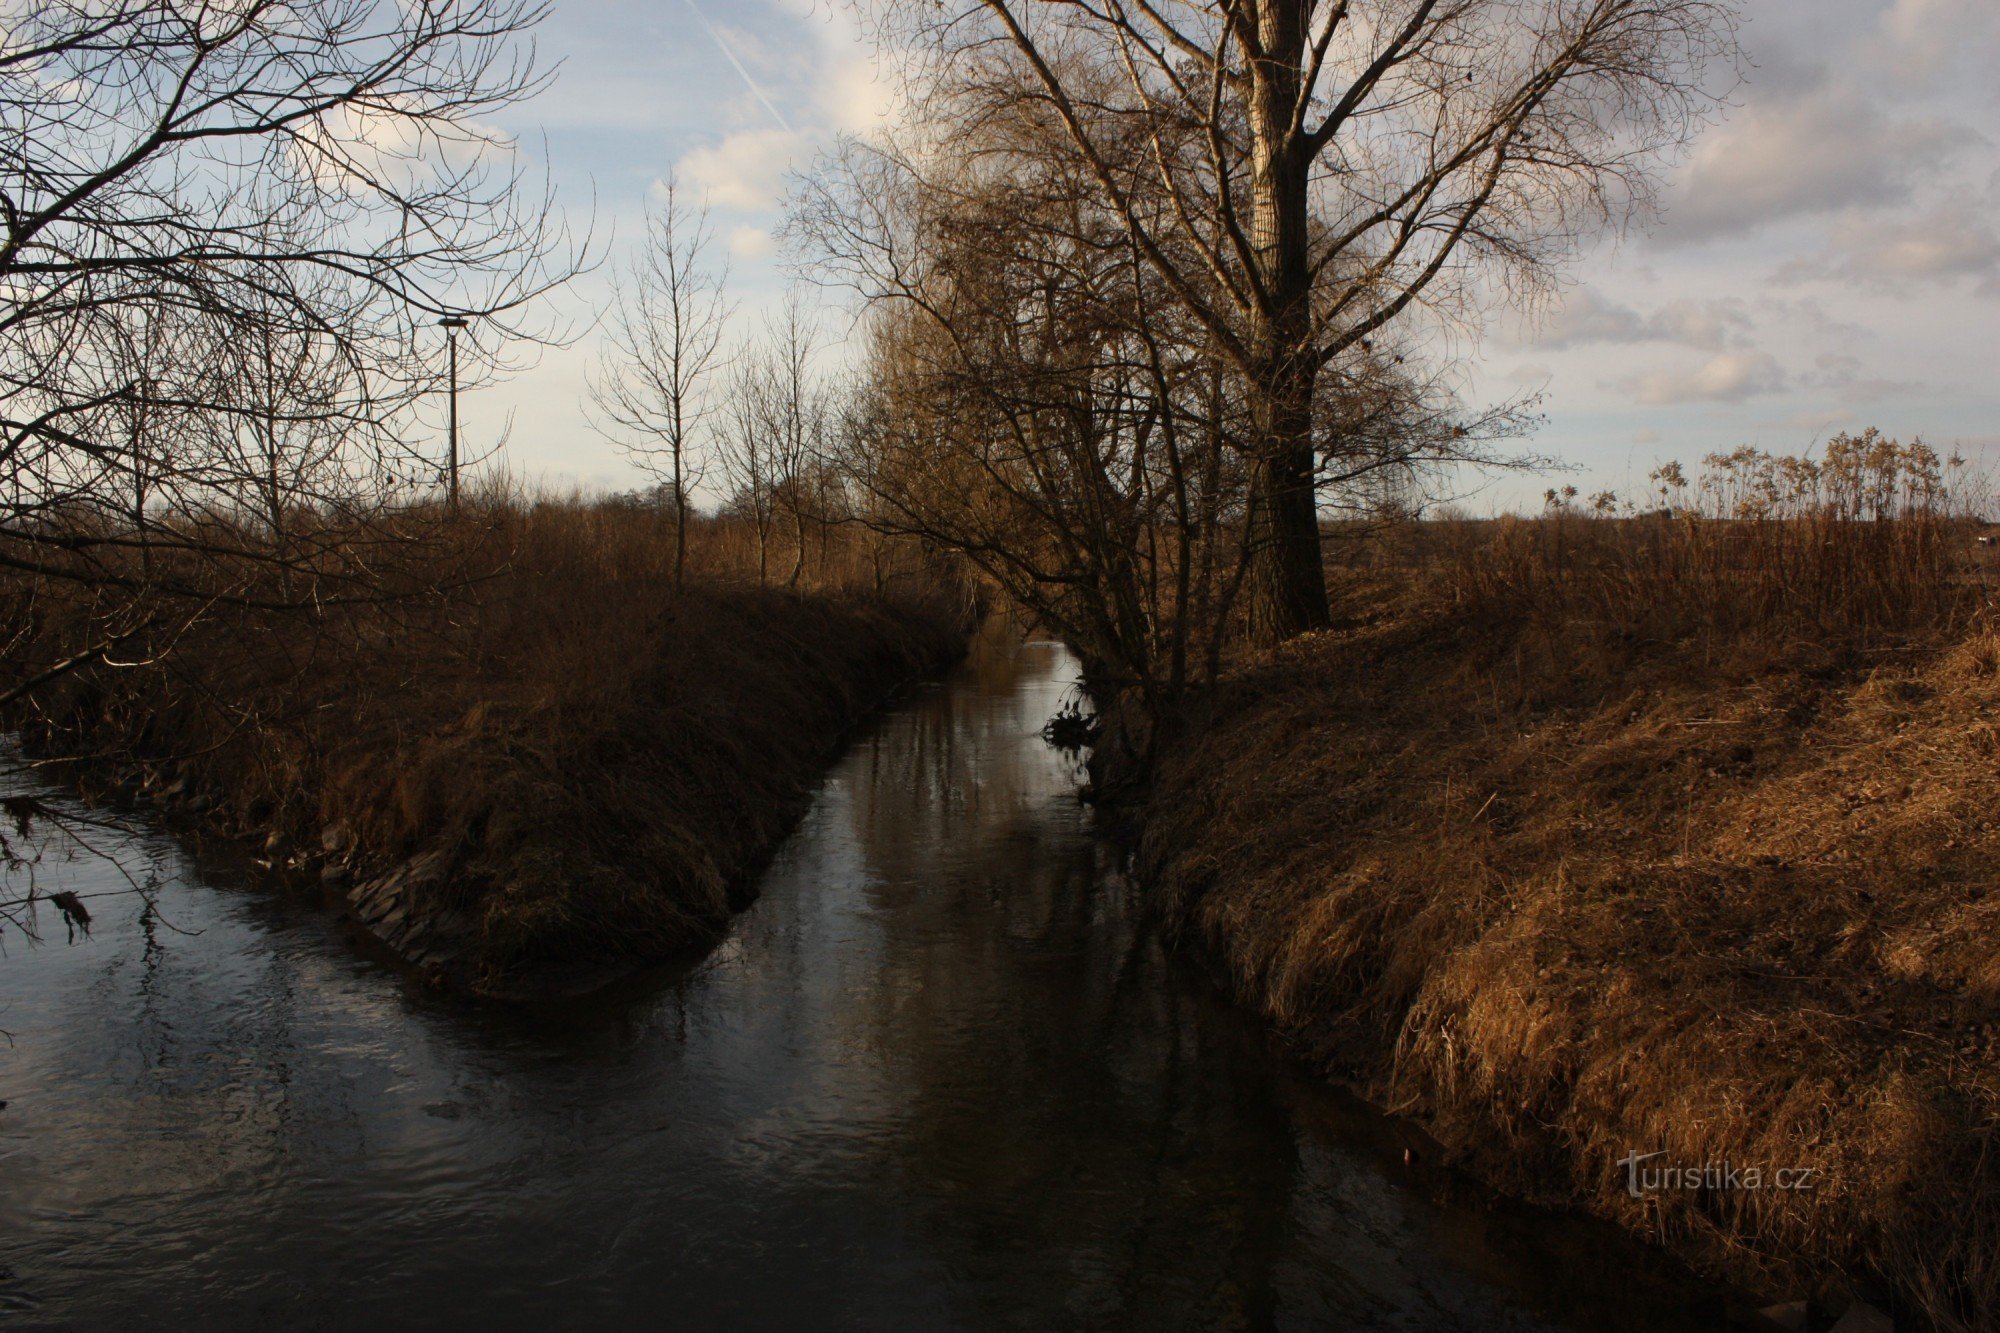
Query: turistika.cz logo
{"points": [[1641, 1180]]}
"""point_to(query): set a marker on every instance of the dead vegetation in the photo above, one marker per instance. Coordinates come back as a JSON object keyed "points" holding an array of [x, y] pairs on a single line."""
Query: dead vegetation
{"points": [[589, 763], [1597, 836]]}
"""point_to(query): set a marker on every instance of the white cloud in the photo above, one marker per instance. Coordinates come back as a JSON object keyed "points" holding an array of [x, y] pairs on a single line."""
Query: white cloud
{"points": [[1919, 40], [860, 84], [822, 73], [1711, 326], [1855, 381], [751, 242], [1955, 242], [1951, 242], [1728, 378], [747, 170], [1584, 317]]}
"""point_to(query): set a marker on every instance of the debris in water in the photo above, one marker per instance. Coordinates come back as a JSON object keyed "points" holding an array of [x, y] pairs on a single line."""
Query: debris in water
{"points": [[1071, 729], [75, 915]]}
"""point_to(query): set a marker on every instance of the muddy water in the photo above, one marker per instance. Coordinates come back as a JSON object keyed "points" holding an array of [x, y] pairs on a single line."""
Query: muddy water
{"points": [[936, 1077]]}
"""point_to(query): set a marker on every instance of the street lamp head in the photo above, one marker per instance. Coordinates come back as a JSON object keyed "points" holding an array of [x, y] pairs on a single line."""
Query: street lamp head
{"points": [[452, 322]]}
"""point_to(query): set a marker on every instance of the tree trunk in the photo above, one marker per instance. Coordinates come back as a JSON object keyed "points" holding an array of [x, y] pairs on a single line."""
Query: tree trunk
{"points": [[1286, 588], [798, 563], [680, 521], [1287, 585]]}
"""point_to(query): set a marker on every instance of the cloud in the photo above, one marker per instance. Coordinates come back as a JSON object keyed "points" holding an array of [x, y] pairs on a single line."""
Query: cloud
{"points": [[747, 170], [751, 242], [1942, 247], [1585, 318], [728, 40], [1951, 244], [1919, 40], [1728, 378], [1833, 148], [1711, 325], [1849, 377], [820, 70]]}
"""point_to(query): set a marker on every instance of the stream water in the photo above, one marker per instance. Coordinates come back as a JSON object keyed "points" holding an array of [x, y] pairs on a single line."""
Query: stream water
{"points": [[937, 1076]]}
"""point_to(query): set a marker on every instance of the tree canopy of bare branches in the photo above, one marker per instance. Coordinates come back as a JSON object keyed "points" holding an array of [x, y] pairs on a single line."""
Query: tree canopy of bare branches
{"points": [[228, 230], [1037, 402], [1299, 175], [774, 433], [227, 233]]}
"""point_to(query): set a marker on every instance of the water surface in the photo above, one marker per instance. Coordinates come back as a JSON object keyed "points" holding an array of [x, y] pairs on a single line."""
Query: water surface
{"points": [[936, 1077]]}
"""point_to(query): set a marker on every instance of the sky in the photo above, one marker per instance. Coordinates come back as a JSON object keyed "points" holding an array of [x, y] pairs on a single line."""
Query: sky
{"points": [[1828, 257]]}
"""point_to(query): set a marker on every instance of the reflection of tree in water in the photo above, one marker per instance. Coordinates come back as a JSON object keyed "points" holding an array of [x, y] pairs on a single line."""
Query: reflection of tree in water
{"points": [[1062, 1106], [52, 850]]}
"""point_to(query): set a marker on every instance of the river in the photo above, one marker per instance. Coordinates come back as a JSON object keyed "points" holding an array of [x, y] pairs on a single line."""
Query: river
{"points": [[936, 1076]]}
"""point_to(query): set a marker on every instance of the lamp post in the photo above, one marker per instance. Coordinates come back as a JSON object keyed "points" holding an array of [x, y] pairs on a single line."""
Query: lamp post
{"points": [[451, 324]]}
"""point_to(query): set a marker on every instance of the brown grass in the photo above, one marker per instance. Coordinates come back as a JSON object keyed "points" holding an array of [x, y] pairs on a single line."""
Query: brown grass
{"points": [[1593, 836], [589, 764]]}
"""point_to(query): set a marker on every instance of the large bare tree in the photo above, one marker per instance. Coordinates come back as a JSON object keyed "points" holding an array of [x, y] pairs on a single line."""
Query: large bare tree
{"points": [[1037, 403], [1300, 173]]}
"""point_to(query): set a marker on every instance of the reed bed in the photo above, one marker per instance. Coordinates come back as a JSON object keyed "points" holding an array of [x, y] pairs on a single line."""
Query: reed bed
{"points": [[1617, 832]]}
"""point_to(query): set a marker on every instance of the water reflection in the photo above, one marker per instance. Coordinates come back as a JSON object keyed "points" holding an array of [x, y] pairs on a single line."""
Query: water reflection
{"points": [[935, 1077]]}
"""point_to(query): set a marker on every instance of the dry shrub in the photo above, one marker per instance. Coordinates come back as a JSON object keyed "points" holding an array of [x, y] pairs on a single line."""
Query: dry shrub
{"points": [[1598, 836]]}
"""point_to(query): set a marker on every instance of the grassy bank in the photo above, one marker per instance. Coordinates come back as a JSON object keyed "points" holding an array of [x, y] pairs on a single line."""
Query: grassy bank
{"points": [[1586, 837], [528, 760]]}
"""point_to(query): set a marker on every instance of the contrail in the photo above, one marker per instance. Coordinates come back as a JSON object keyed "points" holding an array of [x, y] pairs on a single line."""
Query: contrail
{"points": [[747, 80]]}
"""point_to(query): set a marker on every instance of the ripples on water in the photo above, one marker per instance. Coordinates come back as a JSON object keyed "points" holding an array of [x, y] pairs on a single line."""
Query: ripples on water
{"points": [[934, 1077]]}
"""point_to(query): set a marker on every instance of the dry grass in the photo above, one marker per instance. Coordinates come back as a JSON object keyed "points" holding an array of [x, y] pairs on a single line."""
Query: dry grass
{"points": [[592, 764], [1587, 837]]}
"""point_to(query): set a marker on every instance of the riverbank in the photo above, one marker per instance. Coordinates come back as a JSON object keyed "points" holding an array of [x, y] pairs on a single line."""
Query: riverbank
{"points": [[547, 768], [1569, 865], [803, 1123]]}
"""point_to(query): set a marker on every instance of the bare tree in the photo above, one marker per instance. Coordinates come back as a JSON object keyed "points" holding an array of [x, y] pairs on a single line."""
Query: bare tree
{"points": [[318, 182], [794, 410], [776, 421], [744, 448], [1040, 404], [663, 346], [1300, 173]]}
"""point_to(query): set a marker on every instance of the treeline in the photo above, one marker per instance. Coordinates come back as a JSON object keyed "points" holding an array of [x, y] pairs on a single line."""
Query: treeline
{"points": [[1144, 297]]}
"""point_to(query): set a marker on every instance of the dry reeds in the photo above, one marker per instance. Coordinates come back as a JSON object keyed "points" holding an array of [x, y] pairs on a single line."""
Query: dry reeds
{"points": [[591, 761], [1875, 537], [1660, 834]]}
